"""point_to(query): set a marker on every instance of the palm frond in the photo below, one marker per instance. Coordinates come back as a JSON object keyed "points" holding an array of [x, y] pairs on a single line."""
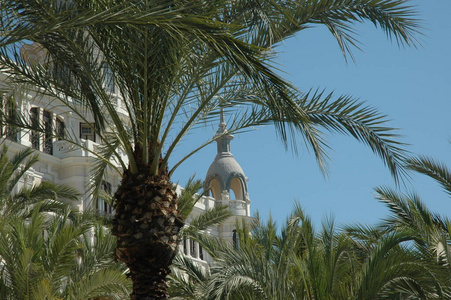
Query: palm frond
{"points": [[210, 217], [189, 197], [188, 279], [103, 283], [18, 165], [345, 115], [432, 168], [395, 18]]}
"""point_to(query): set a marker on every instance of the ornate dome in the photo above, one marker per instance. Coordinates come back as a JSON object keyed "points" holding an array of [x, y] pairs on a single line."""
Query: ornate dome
{"points": [[225, 173], [224, 168]]}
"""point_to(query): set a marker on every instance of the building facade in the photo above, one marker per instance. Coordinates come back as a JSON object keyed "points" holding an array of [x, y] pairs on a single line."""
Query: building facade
{"points": [[63, 162]]}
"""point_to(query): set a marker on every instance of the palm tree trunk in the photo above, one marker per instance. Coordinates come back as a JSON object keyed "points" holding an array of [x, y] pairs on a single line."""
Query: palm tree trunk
{"points": [[146, 225]]}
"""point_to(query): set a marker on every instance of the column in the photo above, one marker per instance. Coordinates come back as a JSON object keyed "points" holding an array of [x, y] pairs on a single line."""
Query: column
{"points": [[188, 247], [196, 247]]}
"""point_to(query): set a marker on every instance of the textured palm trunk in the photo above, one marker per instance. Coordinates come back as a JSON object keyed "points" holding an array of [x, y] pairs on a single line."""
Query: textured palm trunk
{"points": [[146, 225]]}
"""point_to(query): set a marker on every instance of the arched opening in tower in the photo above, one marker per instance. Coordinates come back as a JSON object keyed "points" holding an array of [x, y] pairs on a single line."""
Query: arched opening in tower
{"points": [[215, 189], [236, 189]]}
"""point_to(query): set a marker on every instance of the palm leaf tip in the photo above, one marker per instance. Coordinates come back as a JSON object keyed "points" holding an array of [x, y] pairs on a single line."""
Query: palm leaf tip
{"points": [[433, 169], [346, 115]]}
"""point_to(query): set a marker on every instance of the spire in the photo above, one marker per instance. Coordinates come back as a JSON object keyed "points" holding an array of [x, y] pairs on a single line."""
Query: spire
{"points": [[225, 178], [223, 138], [222, 115]]}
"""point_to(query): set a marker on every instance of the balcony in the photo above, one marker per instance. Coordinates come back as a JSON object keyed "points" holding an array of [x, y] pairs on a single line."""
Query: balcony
{"points": [[64, 149]]}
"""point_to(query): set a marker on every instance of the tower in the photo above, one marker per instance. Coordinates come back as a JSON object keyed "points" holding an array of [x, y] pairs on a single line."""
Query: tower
{"points": [[226, 181]]}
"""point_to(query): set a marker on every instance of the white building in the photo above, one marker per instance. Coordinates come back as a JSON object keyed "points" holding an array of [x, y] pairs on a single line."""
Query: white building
{"points": [[61, 162]]}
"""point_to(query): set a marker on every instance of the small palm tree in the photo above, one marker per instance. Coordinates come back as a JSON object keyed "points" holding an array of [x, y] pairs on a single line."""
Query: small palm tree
{"points": [[296, 263], [430, 232], [188, 280], [390, 267], [21, 202], [359, 262], [421, 270], [49, 257], [174, 64], [47, 249]]}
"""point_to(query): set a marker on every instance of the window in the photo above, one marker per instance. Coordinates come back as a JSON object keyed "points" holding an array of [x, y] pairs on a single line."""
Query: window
{"points": [[34, 135], [236, 241], [193, 248], [106, 186], [60, 127], [8, 114], [62, 72], [45, 126], [102, 206], [107, 78], [48, 143], [201, 253], [87, 131]]}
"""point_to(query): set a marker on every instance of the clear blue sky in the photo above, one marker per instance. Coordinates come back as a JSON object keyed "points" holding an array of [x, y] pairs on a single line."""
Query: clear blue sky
{"points": [[412, 86]]}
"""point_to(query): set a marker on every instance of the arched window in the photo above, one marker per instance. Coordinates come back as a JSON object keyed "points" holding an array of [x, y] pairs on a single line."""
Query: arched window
{"points": [[62, 72]]}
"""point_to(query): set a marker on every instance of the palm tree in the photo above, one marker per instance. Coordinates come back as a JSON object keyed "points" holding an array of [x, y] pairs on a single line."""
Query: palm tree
{"points": [[21, 202], [430, 232], [262, 264], [188, 280], [359, 262], [49, 257], [297, 263], [46, 247], [423, 235], [175, 64], [391, 268]]}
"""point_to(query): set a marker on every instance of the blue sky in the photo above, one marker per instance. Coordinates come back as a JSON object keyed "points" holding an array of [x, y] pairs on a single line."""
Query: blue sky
{"points": [[410, 85]]}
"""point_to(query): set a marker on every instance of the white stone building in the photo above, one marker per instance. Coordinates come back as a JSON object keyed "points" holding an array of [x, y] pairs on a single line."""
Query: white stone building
{"points": [[61, 162]]}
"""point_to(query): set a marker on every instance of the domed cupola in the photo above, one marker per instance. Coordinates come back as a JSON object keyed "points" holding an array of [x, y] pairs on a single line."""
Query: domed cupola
{"points": [[225, 177]]}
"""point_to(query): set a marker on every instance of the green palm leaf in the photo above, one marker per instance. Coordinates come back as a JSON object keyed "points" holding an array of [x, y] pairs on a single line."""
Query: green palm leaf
{"points": [[432, 168]]}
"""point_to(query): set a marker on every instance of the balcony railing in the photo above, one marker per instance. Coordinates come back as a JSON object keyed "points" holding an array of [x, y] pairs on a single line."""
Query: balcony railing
{"points": [[64, 149], [238, 207]]}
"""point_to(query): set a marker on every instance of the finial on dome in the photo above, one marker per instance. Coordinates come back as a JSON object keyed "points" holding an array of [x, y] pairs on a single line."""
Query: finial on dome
{"points": [[223, 138], [222, 128], [222, 115]]}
